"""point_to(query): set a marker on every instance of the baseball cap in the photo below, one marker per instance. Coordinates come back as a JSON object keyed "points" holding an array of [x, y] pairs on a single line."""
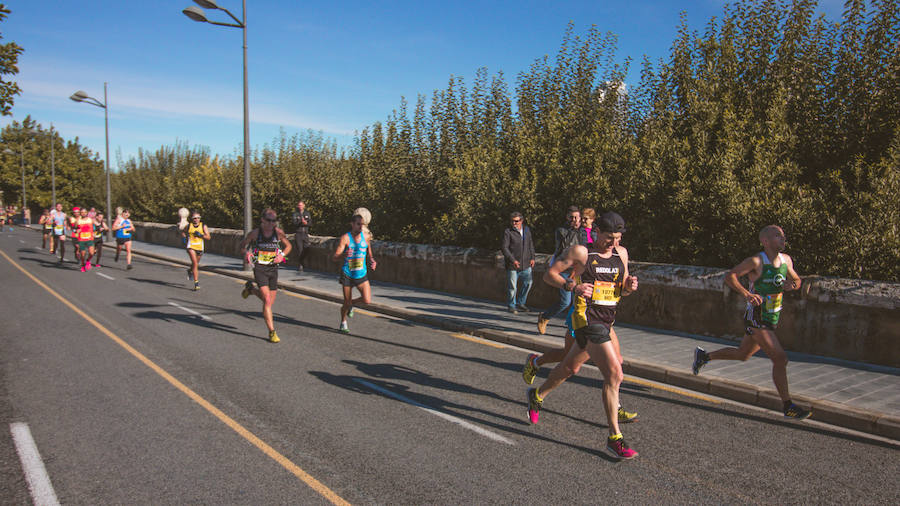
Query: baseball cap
{"points": [[610, 222], [76, 208]]}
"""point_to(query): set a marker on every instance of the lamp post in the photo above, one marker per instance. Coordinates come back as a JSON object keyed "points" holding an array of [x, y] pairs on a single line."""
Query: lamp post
{"points": [[26, 131], [80, 96], [197, 14], [52, 168]]}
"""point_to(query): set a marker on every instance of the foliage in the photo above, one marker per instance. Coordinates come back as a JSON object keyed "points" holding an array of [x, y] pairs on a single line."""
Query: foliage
{"points": [[9, 58]]}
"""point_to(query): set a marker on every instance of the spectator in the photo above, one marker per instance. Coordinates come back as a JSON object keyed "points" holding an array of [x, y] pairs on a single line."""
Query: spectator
{"points": [[588, 234], [302, 220], [566, 236], [518, 251]]}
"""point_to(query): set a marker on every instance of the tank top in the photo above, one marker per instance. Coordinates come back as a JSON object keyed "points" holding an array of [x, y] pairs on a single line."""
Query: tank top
{"points": [[607, 276], [122, 233], [48, 224], [193, 241], [96, 231], [265, 249], [85, 229], [355, 263], [770, 285], [59, 223]]}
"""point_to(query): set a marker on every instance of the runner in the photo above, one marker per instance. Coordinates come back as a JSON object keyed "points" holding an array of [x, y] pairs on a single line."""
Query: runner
{"points": [[59, 231], [354, 250], [73, 231], [770, 272], [261, 248], [100, 228], [123, 228], [599, 279], [194, 234], [46, 228], [85, 230]]}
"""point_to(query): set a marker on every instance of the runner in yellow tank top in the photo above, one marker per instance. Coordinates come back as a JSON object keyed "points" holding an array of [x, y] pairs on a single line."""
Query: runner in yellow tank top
{"points": [[195, 234]]}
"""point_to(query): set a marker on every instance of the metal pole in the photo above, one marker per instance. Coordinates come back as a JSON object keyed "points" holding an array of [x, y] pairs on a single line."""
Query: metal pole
{"points": [[24, 196], [108, 198], [248, 214], [52, 167]]}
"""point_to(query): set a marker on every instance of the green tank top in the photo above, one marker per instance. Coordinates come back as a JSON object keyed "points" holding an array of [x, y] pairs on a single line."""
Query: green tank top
{"points": [[770, 285]]}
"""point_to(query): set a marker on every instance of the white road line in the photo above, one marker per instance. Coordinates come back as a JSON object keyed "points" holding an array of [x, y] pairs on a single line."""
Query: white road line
{"points": [[21, 241], [35, 472], [190, 311], [105, 276], [445, 416]]}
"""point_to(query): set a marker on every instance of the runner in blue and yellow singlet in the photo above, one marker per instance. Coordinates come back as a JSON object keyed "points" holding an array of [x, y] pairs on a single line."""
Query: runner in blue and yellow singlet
{"points": [[194, 236], [771, 273], [265, 248], [123, 229], [60, 221], [599, 279], [356, 252]]}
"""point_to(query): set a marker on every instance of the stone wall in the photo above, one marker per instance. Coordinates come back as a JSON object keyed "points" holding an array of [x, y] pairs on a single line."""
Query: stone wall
{"points": [[841, 318]]}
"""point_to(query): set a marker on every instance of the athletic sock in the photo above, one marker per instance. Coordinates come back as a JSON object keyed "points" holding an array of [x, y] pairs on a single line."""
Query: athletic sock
{"points": [[615, 437], [537, 395]]}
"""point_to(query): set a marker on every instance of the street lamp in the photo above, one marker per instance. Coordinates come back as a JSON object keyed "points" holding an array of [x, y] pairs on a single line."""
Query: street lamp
{"points": [[80, 96], [197, 14], [25, 131]]}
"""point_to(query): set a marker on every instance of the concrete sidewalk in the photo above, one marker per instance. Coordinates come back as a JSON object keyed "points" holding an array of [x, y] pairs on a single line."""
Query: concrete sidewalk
{"points": [[849, 394]]}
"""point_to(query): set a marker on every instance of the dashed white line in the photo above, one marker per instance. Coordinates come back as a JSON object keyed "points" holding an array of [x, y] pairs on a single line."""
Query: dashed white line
{"points": [[105, 276], [35, 472], [190, 311], [21, 241], [486, 433]]}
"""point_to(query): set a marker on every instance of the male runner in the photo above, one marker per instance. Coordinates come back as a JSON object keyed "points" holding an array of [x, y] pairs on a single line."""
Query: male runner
{"points": [[85, 230], [59, 231], [770, 272], [123, 228], [261, 248], [599, 279], [194, 235], [355, 251], [46, 229], [99, 229]]}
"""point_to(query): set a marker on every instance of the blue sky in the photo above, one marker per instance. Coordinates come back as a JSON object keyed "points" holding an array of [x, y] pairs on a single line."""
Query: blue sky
{"points": [[334, 67]]}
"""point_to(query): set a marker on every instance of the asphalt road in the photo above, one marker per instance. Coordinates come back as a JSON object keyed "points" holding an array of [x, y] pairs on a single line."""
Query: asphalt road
{"points": [[152, 393]]}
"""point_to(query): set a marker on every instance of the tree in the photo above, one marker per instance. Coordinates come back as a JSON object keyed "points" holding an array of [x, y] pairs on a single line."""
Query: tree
{"points": [[9, 58]]}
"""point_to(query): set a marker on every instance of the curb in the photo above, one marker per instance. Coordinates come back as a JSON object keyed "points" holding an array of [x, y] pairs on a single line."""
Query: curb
{"points": [[824, 411]]}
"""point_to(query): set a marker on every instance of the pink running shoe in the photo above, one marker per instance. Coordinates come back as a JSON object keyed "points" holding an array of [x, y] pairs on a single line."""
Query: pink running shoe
{"points": [[534, 405], [82, 268], [620, 449], [87, 267]]}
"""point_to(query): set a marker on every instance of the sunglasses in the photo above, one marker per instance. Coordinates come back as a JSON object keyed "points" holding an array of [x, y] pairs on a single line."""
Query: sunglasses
{"points": [[195, 218], [270, 220], [517, 221]]}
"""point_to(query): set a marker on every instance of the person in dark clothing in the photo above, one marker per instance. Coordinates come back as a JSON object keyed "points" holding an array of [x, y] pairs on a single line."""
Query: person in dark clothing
{"points": [[302, 220], [567, 235], [518, 252]]}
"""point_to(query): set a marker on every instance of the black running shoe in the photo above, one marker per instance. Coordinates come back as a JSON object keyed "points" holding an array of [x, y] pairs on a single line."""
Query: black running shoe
{"points": [[701, 358], [795, 411]]}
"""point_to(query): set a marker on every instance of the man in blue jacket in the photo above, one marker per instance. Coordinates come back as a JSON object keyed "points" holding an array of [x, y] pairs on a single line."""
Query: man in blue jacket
{"points": [[518, 252]]}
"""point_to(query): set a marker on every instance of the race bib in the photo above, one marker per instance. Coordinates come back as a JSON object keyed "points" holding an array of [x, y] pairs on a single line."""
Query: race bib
{"points": [[356, 264], [773, 303], [58, 230], [266, 257], [86, 236], [606, 293]]}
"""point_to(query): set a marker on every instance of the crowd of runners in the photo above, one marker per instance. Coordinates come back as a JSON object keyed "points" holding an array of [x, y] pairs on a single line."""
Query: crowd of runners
{"points": [[591, 274]]}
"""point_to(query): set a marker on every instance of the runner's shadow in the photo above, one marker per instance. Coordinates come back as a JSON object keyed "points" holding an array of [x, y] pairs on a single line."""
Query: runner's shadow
{"points": [[468, 413], [160, 283], [193, 320]]}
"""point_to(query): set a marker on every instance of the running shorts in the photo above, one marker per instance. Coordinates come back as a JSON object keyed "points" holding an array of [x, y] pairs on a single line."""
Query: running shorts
{"points": [[595, 332], [85, 245], [351, 282], [266, 275], [122, 240], [754, 319]]}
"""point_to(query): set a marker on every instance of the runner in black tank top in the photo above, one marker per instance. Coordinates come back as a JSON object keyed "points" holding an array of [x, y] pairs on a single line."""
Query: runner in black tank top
{"points": [[603, 276], [265, 256]]}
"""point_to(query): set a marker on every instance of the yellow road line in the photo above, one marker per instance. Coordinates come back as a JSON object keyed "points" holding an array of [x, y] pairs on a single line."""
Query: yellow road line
{"points": [[674, 390], [473, 339], [292, 294], [235, 426]]}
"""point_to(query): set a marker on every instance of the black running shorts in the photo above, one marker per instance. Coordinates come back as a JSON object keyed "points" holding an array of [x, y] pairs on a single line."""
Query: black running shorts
{"points": [[266, 275], [596, 333], [348, 281]]}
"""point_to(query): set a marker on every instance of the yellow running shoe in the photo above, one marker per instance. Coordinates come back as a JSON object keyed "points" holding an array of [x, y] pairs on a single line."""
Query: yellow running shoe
{"points": [[542, 325], [273, 337], [530, 370], [626, 417]]}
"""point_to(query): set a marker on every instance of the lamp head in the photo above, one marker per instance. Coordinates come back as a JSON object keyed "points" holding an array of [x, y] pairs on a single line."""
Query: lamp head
{"points": [[195, 13], [79, 96], [207, 4]]}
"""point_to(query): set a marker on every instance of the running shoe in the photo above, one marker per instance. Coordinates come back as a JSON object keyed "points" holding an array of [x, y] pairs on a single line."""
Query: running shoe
{"points": [[542, 324], [87, 266], [97, 265], [248, 286], [795, 411], [273, 337], [344, 328], [82, 268], [619, 448], [627, 416], [531, 369], [701, 358], [130, 267], [196, 286], [190, 274], [350, 313], [534, 405]]}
